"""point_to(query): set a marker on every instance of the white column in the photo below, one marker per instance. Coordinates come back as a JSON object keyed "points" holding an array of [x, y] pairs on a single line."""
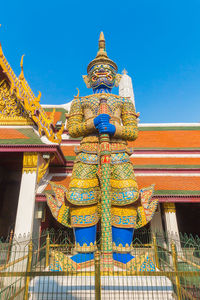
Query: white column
{"points": [[25, 214], [26, 202], [157, 227], [171, 224], [156, 222]]}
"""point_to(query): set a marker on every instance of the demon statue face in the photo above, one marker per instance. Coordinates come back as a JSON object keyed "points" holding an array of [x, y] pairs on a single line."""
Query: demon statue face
{"points": [[102, 76]]}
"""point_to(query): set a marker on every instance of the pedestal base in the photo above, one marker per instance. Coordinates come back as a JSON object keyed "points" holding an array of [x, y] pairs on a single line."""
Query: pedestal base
{"points": [[112, 288]]}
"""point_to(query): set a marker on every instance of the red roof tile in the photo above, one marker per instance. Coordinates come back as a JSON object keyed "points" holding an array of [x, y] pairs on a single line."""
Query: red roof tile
{"points": [[9, 133], [68, 150], [167, 139], [165, 161], [175, 184], [57, 116]]}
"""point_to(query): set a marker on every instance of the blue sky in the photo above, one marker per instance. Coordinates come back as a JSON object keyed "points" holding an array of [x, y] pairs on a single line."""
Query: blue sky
{"points": [[157, 41]]}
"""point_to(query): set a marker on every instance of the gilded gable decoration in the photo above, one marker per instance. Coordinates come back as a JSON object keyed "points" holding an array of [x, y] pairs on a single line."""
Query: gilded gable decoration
{"points": [[26, 105], [11, 110]]}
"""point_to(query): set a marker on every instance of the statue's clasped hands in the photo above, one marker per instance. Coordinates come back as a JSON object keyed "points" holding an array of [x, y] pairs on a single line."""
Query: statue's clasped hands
{"points": [[101, 122]]}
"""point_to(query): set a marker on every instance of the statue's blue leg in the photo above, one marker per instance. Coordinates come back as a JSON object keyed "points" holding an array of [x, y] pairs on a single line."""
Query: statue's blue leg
{"points": [[85, 243], [122, 239]]}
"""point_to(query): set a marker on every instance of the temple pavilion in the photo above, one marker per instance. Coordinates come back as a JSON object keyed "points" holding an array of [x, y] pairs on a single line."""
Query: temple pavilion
{"points": [[35, 148]]}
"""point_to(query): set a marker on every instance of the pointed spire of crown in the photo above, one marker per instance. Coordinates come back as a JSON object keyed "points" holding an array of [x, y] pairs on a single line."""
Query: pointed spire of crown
{"points": [[102, 46], [102, 57], [102, 41]]}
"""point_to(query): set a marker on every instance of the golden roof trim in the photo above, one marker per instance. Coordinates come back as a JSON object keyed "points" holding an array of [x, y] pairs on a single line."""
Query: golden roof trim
{"points": [[13, 121]]}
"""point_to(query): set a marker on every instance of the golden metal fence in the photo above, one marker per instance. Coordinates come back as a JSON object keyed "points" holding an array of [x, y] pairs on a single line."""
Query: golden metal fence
{"points": [[160, 270]]}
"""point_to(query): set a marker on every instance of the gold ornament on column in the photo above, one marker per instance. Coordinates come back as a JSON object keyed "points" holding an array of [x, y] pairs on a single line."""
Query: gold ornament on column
{"points": [[30, 162], [169, 207]]}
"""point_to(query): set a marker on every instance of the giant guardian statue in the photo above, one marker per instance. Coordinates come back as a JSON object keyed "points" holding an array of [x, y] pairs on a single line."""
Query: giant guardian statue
{"points": [[103, 186]]}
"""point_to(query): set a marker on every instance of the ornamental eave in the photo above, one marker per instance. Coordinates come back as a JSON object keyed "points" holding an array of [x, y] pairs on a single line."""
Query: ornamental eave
{"points": [[54, 149], [178, 198]]}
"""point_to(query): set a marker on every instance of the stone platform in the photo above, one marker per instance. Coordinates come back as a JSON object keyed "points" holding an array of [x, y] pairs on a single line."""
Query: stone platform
{"points": [[112, 288]]}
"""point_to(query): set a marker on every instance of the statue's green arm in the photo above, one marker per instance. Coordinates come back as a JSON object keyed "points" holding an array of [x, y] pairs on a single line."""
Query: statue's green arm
{"points": [[129, 128], [76, 124]]}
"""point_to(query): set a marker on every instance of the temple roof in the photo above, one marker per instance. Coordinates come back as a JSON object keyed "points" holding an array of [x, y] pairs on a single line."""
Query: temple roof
{"points": [[157, 138], [19, 105], [168, 137], [19, 136]]}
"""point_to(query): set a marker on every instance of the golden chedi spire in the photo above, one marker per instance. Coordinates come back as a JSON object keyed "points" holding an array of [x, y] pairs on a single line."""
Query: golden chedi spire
{"points": [[102, 57]]}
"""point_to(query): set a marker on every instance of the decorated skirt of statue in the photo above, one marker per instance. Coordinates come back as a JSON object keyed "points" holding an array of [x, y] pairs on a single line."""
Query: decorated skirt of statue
{"points": [[130, 207]]}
